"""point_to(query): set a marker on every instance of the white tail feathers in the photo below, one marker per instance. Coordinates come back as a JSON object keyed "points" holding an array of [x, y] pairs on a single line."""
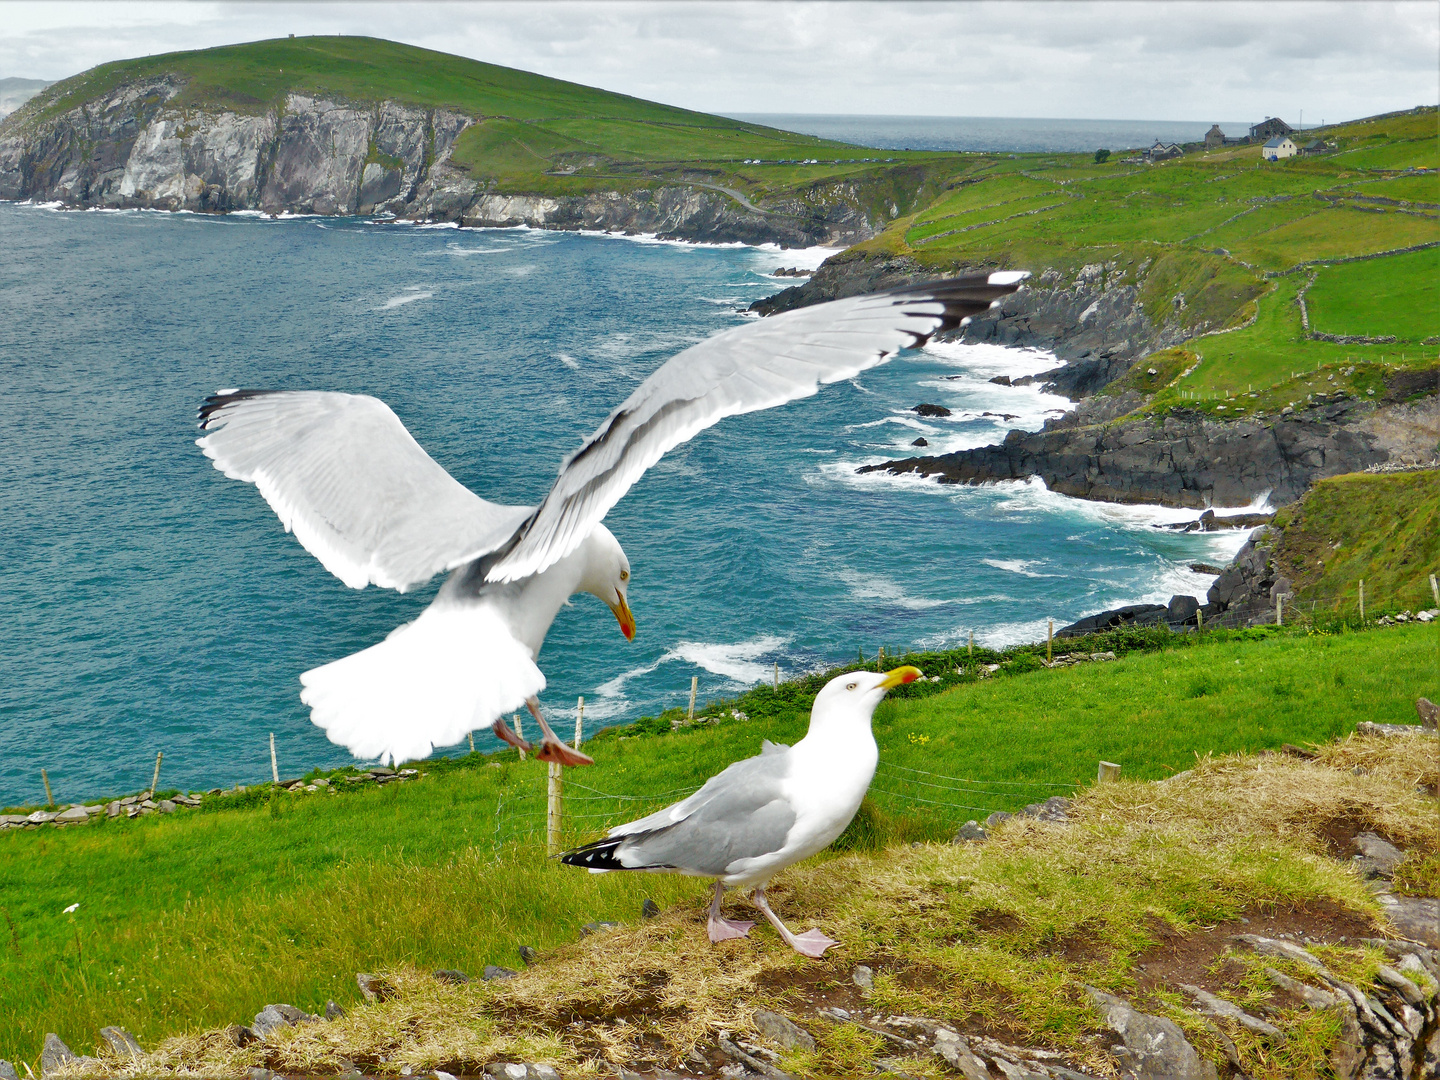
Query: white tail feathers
{"points": [[451, 671]]}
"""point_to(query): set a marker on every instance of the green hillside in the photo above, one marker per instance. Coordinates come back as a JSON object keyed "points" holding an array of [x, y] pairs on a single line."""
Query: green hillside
{"points": [[537, 134], [197, 919], [1222, 244]]}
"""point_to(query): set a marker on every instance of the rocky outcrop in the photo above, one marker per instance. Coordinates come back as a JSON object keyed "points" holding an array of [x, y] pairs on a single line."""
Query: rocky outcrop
{"points": [[1183, 459], [134, 147]]}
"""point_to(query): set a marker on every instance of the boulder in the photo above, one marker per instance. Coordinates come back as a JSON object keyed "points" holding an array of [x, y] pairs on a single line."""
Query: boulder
{"points": [[922, 441], [1130, 615], [1181, 609], [54, 1055], [277, 1016], [1205, 568], [957, 1054], [863, 977], [600, 927], [1378, 857], [1153, 1046], [122, 1044], [1414, 917], [528, 955], [238, 1035], [73, 814], [7, 1071], [1428, 712], [783, 1032], [996, 818], [493, 972], [450, 975], [1001, 380], [333, 1011], [971, 830], [925, 408], [1055, 809], [649, 909], [506, 1070]]}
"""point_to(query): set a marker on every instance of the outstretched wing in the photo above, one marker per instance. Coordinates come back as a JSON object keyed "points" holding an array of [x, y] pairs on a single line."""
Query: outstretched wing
{"points": [[756, 366], [354, 486]]}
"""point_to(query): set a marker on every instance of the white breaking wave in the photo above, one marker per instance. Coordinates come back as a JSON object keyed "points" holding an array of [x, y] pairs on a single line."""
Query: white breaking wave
{"points": [[1017, 566], [411, 294], [738, 664], [568, 360], [877, 587]]}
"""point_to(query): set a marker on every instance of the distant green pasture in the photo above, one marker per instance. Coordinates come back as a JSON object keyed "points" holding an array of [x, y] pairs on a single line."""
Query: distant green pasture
{"points": [[1399, 295]]}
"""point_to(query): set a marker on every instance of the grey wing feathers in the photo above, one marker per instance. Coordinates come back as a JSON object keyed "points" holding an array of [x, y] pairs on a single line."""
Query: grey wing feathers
{"points": [[752, 367], [357, 490], [740, 813]]}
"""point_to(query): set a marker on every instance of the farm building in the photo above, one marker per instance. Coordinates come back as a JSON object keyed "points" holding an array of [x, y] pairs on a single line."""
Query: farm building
{"points": [[1163, 151], [1282, 146], [1317, 146], [1270, 129]]}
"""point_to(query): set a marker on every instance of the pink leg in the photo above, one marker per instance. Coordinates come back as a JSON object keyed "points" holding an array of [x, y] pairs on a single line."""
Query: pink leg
{"points": [[722, 929], [810, 943], [504, 734], [551, 748]]}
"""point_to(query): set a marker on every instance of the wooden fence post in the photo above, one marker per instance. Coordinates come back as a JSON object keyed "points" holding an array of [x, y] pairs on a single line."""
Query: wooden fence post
{"points": [[694, 684], [274, 768], [972, 644], [471, 736], [1435, 590], [1362, 599], [1279, 609], [1199, 621], [49, 799], [1108, 771], [520, 733], [155, 781], [1049, 641], [552, 809], [579, 722]]}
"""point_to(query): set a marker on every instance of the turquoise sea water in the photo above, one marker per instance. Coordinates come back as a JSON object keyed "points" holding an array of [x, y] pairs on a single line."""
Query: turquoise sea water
{"points": [[147, 603]]}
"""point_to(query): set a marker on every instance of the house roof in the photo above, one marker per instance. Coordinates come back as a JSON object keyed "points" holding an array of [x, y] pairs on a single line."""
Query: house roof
{"points": [[1275, 142]]}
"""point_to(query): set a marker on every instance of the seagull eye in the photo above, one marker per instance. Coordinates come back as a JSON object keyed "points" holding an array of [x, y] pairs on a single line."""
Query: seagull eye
{"points": [[851, 686], [624, 575]]}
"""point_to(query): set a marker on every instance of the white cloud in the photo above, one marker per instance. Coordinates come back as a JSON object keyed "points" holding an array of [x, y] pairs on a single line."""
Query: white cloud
{"points": [[1161, 61]]}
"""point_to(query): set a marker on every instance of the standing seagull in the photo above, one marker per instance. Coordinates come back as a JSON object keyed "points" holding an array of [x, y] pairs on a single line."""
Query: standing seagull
{"points": [[360, 494], [764, 813]]}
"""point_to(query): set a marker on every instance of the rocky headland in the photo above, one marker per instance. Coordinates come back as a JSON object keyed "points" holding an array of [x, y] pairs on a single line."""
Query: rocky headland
{"points": [[133, 147]]}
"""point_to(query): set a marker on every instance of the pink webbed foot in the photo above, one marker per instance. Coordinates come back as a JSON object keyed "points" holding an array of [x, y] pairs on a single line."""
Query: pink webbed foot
{"points": [[728, 929], [812, 943]]}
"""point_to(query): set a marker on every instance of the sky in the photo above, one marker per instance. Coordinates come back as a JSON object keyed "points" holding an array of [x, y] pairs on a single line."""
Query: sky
{"points": [[1127, 60]]}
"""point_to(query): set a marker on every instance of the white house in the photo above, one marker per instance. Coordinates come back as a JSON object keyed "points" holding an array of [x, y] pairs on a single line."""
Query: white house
{"points": [[1279, 147]]}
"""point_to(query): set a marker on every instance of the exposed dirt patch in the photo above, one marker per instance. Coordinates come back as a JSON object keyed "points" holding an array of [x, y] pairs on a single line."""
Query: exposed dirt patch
{"points": [[1187, 958]]}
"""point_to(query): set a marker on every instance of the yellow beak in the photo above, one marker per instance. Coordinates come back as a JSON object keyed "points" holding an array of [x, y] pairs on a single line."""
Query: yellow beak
{"points": [[624, 616], [900, 676]]}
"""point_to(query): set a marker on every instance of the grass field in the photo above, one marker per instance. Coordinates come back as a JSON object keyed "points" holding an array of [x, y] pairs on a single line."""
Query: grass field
{"points": [[1382, 528], [197, 919], [1214, 229]]}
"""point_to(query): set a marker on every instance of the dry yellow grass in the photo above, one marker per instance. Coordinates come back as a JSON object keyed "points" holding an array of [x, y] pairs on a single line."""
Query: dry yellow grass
{"points": [[998, 936]]}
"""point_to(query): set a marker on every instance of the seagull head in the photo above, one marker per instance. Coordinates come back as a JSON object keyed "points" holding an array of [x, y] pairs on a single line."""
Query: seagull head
{"points": [[607, 575], [856, 693]]}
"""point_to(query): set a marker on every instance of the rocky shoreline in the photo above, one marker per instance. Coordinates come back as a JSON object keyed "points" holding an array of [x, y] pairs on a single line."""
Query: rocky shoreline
{"points": [[131, 148]]}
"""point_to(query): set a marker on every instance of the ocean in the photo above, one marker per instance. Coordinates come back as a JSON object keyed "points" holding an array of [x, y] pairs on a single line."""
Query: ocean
{"points": [[149, 604], [995, 133]]}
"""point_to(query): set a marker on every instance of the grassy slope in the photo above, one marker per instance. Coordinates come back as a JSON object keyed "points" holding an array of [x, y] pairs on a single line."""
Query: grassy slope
{"points": [[537, 134], [1210, 226], [200, 918], [1382, 528]]}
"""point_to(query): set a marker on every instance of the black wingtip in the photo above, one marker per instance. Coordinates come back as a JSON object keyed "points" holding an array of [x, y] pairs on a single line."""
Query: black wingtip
{"points": [[215, 402], [963, 298], [599, 855]]}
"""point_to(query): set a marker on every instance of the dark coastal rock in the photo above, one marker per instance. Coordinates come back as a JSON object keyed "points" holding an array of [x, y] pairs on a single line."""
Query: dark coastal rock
{"points": [[971, 830], [1184, 459], [925, 408], [450, 975], [1181, 610], [493, 972], [528, 955], [1378, 857], [922, 441], [1001, 380], [1130, 615], [276, 1016]]}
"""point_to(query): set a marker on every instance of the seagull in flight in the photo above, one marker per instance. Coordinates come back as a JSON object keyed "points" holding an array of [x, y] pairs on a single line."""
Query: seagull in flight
{"points": [[764, 813], [345, 476]]}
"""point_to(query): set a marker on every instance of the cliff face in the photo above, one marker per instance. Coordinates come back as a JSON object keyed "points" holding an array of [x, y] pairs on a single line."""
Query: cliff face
{"points": [[1185, 459], [133, 148], [1092, 318]]}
